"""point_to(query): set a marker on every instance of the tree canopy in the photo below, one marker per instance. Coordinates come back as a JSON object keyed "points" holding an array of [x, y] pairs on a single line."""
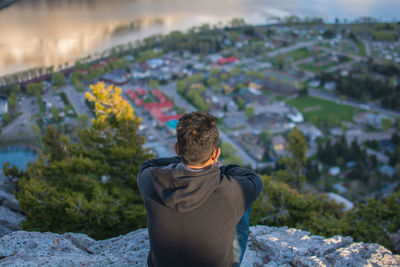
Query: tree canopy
{"points": [[90, 185]]}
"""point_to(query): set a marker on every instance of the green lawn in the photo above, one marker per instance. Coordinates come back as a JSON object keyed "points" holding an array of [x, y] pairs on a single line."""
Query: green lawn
{"points": [[361, 49], [322, 112], [299, 54], [279, 75], [328, 64]]}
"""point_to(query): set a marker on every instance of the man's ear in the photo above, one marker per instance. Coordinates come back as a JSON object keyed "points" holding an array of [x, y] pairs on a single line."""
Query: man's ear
{"points": [[177, 148], [216, 153]]}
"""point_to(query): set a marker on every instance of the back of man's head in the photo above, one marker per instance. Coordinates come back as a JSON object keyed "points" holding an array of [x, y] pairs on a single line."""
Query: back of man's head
{"points": [[197, 135]]}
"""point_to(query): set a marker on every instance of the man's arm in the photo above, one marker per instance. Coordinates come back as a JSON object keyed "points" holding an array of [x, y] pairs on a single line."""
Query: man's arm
{"points": [[144, 175], [249, 181]]}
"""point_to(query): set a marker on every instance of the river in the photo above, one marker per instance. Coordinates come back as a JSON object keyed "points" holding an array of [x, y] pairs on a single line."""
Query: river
{"points": [[51, 32], [17, 155]]}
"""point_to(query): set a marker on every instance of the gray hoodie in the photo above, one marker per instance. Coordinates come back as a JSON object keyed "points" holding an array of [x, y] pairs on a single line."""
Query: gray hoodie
{"points": [[192, 215]]}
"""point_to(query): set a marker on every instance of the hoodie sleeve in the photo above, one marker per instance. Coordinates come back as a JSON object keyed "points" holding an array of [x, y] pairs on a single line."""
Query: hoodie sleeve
{"points": [[248, 180], [144, 176]]}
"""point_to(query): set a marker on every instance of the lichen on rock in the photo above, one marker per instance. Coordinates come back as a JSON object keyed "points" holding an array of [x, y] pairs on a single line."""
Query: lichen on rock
{"points": [[267, 246]]}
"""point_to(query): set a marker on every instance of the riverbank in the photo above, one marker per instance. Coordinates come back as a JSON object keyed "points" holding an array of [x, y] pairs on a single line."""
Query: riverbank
{"points": [[6, 3]]}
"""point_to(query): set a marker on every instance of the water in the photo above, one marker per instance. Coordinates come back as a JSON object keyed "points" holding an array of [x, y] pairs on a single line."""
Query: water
{"points": [[18, 155], [52, 32]]}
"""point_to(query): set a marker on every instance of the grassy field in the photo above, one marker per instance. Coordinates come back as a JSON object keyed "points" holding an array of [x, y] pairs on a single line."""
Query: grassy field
{"points": [[361, 49], [299, 54], [279, 75], [322, 112], [316, 69], [323, 64]]}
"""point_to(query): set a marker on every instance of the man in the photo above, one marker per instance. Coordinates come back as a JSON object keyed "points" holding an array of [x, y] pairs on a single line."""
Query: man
{"points": [[198, 210]]}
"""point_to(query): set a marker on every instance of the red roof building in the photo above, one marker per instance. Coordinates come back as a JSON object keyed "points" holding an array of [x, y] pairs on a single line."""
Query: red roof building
{"points": [[161, 106], [226, 60], [141, 91], [167, 118], [156, 109], [131, 94], [139, 102], [161, 118], [161, 97]]}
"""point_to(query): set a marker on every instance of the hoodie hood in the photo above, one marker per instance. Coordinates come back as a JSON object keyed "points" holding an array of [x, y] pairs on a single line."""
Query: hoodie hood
{"points": [[184, 190]]}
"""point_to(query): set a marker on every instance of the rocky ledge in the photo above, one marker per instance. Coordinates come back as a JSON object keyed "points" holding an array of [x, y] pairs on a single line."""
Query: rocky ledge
{"points": [[267, 246], [10, 213]]}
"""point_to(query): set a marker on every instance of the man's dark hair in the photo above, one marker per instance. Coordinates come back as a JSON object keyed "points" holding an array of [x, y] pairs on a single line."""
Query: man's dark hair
{"points": [[197, 135]]}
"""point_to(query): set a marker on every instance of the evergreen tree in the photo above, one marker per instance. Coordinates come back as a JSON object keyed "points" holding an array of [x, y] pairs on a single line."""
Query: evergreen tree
{"points": [[294, 174], [281, 205], [88, 186]]}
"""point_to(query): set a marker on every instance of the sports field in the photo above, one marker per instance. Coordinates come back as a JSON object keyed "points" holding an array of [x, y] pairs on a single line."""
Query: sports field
{"points": [[323, 112], [299, 54]]}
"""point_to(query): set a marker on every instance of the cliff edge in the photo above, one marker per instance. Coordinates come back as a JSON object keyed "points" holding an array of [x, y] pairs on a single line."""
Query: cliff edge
{"points": [[267, 246]]}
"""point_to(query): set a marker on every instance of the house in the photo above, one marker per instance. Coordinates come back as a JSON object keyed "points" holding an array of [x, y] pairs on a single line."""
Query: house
{"points": [[334, 171], [314, 83], [131, 94], [140, 75], [279, 144], [236, 121], [271, 122], [340, 188], [253, 96], [372, 119], [141, 91], [155, 63], [256, 84], [118, 77], [348, 205], [330, 86], [226, 60], [159, 106], [336, 131], [295, 116], [387, 170], [252, 143], [134, 96], [310, 131], [214, 57]]}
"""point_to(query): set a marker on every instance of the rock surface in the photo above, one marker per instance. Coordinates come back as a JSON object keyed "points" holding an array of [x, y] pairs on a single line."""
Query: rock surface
{"points": [[10, 213], [267, 246]]}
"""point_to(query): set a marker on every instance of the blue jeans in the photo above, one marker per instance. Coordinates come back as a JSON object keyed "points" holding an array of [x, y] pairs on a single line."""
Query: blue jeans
{"points": [[241, 236]]}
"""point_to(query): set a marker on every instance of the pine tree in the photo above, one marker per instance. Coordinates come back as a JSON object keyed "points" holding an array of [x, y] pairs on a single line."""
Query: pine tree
{"points": [[295, 165], [90, 185]]}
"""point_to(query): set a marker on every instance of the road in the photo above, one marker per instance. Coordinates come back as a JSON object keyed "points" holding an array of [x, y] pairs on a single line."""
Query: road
{"points": [[20, 127], [290, 48], [247, 160], [77, 101]]}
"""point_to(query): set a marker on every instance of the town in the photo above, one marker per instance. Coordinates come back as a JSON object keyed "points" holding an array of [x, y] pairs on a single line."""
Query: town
{"points": [[339, 84]]}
